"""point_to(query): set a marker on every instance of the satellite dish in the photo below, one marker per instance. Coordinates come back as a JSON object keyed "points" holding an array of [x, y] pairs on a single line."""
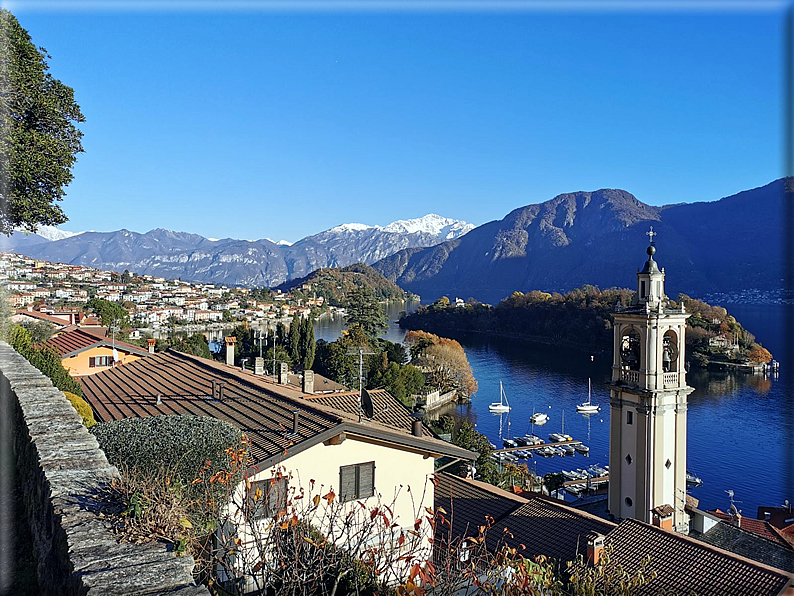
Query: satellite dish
{"points": [[366, 404]]}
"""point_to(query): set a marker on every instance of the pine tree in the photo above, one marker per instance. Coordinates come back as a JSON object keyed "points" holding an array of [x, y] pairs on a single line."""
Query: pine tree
{"points": [[39, 139], [308, 346], [295, 330]]}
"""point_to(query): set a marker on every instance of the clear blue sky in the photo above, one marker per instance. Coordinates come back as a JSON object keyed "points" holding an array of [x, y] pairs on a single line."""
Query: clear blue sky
{"points": [[259, 123]]}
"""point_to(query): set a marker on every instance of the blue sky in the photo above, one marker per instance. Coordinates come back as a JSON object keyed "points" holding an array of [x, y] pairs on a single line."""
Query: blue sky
{"points": [[280, 124]]}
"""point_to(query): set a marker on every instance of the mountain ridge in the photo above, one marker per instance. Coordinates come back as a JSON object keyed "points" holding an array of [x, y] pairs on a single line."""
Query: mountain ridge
{"points": [[598, 238]]}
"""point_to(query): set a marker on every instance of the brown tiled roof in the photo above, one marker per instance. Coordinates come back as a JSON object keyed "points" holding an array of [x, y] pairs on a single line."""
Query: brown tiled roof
{"points": [[756, 526], [34, 314], [184, 384], [685, 565], [663, 510], [77, 340], [469, 503], [388, 409], [546, 526]]}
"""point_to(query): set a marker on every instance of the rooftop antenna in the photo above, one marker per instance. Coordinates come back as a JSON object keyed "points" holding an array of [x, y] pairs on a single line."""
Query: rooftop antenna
{"points": [[361, 351], [159, 400], [733, 509]]}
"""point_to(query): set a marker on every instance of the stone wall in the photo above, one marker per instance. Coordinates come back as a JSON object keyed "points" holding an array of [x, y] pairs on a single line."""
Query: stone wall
{"points": [[61, 471]]}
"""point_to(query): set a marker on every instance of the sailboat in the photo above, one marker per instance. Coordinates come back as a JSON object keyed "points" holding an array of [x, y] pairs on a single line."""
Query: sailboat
{"points": [[587, 407], [502, 405]]}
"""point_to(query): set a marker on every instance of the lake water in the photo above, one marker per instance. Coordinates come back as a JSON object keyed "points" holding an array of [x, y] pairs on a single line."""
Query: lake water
{"points": [[740, 432]]}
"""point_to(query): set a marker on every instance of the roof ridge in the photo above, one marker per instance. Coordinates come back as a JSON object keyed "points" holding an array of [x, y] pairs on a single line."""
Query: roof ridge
{"points": [[566, 507], [236, 374], [705, 545]]}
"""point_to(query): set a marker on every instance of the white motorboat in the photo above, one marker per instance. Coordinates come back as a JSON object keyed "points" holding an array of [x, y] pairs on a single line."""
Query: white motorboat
{"points": [[502, 405], [539, 418], [509, 443], [582, 448], [568, 449], [588, 407]]}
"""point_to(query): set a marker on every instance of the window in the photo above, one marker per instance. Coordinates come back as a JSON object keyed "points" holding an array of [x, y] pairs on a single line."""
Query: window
{"points": [[642, 289], [266, 498], [99, 361], [357, 481], [628, 501], [629, 417]]}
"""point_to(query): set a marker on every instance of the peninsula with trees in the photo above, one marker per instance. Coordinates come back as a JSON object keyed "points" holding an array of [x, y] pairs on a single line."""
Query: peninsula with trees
{"points": [[582, 320]]}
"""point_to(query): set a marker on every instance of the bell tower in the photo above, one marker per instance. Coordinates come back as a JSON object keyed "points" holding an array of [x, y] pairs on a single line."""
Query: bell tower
{"points": [[648, 404]]}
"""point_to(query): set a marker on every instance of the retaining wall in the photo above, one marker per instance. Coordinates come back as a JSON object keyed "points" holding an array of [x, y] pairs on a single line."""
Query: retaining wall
{"points": [[61, 471]]}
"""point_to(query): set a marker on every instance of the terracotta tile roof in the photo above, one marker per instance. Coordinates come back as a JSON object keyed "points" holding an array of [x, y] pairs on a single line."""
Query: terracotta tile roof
{"points": [[686, 565], [663, 510], [77, 340], [34, 314], [776, 553], [756, 526], [184, 383]]}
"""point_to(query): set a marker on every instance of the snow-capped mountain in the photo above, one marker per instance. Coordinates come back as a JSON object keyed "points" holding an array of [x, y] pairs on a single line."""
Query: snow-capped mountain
{"points": [[53, 233], [432, 224], [441, 227], [244, 262]]}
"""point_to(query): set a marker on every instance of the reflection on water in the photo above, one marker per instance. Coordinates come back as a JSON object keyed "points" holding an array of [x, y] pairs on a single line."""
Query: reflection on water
{"points": [[740, 432]]}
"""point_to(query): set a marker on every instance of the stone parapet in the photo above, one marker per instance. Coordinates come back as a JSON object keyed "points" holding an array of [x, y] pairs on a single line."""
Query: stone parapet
{"points": [[62, 471]]}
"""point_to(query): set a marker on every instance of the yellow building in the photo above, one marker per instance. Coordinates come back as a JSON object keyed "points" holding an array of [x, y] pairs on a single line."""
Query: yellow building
{"points": [[84, 353]]}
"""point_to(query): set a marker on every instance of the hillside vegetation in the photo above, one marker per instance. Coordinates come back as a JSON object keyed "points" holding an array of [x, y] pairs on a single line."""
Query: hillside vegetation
{"points": [[337, 284], [582, 319]]}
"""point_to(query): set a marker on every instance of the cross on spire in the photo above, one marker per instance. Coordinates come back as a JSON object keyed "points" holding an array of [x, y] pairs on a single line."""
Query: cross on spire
{"points": [[651, 234]]}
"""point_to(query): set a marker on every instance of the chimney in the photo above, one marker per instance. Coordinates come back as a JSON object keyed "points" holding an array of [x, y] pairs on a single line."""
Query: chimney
{"points": [[259, 366], [230, 341], [214, 389], [308, 381], [150, 343], [416, 428], [220, 391], [283, 373], [739, 520], [767, 516], [595, 546], [295, 417]]}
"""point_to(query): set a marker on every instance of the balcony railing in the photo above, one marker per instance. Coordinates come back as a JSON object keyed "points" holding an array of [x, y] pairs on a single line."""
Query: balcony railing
{"points": [[670, 379], [630, 376]]}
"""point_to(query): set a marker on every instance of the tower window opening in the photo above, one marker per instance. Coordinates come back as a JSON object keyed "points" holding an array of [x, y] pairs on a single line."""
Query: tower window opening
{"points": [[628, 459], [630, 350], [629, 417], [629, 502], [670, 352], [642, 289], [667, 464]]}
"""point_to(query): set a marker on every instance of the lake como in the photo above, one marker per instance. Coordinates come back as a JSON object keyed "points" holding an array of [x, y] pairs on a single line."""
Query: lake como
{"points": [[740, 433]]}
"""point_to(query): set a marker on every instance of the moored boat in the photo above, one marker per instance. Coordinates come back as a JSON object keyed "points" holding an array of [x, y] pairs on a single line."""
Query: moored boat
{"points": [[502, 405]]}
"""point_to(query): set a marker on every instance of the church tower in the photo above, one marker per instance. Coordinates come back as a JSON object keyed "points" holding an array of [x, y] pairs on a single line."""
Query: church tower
{"points": [[648, 403]]}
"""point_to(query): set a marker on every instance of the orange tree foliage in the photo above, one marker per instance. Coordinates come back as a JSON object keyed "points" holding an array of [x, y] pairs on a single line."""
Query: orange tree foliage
{"points": [[443, 360]]}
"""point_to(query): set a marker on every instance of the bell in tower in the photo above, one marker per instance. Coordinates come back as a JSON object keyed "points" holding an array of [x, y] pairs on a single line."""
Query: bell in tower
{"points": [[648, 404]]}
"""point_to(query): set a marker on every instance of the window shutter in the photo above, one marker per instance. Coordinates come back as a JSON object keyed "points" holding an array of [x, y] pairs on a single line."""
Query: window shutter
{"points": [[277, 496], [91, 362], [366, 480], [347, 483]]}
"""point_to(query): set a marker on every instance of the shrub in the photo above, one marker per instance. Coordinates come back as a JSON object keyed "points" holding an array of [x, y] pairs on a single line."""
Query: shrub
{"points": [[184, 443], [82, 407]]}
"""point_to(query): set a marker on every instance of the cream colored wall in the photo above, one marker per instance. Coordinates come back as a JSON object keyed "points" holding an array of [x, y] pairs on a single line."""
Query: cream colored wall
{"points": [[78, 365], [402, 481], [396, 470]]}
